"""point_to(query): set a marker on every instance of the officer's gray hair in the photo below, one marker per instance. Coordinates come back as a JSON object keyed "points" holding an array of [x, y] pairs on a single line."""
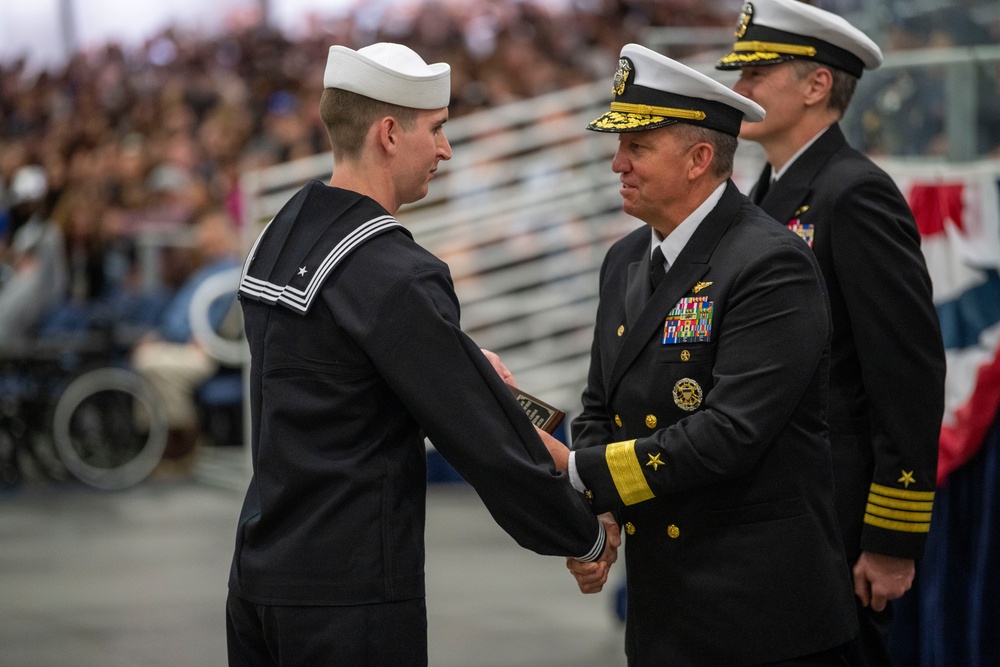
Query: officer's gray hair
{"points": [[724, 146]]}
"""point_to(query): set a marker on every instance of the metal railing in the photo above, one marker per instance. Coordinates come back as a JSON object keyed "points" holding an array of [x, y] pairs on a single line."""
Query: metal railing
{"points": [[525, 210]]}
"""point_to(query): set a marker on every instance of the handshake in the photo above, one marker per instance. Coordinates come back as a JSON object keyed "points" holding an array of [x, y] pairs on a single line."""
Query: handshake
{"points": [[590, 576]]}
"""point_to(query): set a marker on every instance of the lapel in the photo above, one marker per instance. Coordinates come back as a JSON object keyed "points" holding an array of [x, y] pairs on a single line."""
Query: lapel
{"points": [[637, 289], [794, 188], [689, 267]]}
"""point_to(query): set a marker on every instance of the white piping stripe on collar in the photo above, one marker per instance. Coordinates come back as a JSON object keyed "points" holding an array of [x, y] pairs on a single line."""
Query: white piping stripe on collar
{"points": [[598, 548], [302, 299], [253, 252]]}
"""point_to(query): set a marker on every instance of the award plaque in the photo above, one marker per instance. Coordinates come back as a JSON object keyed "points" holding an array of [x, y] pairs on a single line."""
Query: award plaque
{"points": [[541, 414]]}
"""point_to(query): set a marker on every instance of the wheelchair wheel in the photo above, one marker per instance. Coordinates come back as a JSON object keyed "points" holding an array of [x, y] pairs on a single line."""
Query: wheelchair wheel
{"points": [[109, 428]]}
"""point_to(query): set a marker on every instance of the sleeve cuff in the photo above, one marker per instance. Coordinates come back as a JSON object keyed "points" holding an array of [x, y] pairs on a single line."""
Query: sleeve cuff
{"points": [[574, 475], [598, 547]]}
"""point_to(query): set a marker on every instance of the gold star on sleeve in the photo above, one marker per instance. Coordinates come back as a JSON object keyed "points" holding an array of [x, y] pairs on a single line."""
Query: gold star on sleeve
{"points": [[654, 461]]}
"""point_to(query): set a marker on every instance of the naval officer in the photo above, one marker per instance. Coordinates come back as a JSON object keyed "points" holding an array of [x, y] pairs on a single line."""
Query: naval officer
{"points": [[703, 424], [887, 358]]}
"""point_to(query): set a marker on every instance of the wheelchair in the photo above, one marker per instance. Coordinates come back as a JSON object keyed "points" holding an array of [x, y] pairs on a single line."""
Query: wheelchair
{"points": [[71, 406]]}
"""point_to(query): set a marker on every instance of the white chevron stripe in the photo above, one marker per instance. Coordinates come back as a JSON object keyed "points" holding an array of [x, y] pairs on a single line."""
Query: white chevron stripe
{"points": [[301, 299]]}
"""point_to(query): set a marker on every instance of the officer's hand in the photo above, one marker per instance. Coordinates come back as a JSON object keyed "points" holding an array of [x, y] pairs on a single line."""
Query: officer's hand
{"points": [[879, 578], [614, 531], [591, 577]]}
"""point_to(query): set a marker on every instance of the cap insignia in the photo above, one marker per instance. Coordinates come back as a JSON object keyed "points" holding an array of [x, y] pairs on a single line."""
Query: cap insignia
{"points": [[687, 394], [743, 22], [621, 76]]}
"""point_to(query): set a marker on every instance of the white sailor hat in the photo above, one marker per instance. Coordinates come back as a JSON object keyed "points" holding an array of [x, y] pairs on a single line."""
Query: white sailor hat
{"points": [[653, 91], [769, 32], [389, 73]]}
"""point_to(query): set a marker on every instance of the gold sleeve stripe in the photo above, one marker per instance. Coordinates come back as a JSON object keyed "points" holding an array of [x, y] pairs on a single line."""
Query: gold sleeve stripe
{"points": [[911, 505], [901, 526], [875, 510], [627, 473], [650, 110], [777, 47], [901, 493]]}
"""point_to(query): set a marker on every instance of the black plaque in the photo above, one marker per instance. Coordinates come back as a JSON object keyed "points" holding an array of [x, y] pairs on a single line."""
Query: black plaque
{"points": [[542, 415]]}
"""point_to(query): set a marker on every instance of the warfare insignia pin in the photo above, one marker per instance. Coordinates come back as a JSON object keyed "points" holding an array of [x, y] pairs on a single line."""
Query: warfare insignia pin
{"points": [[699, 286], [621, 76], [743, 22], [800, 211], [687, 394]]}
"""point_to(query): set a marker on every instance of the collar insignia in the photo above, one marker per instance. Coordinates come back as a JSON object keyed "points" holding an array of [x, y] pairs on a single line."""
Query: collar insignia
{"points": [[302, 271]]}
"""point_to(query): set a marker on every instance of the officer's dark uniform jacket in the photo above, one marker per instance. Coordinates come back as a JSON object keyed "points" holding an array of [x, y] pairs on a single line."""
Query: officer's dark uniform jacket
{"points": [[703, 426], [356, 355], [887, 358]]}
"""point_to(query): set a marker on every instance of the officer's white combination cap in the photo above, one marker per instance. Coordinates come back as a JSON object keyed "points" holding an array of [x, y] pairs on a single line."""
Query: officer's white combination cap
{"points": [[652, 91], [769, 32], [389, 73]]}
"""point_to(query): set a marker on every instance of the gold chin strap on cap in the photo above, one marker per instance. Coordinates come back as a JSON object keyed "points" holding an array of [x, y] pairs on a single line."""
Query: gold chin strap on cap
{"points": [[649, 110], [776, 47]]}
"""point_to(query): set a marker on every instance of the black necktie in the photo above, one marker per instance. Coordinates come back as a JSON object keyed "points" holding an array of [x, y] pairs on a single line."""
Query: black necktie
{"points": [[656, 270]]}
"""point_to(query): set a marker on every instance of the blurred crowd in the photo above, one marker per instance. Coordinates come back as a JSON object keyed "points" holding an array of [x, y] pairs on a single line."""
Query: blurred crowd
{"points": [[134, 144], [902, 112]]}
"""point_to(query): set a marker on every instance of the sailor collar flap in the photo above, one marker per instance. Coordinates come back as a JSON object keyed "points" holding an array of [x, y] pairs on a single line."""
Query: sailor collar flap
{"points": [[297, 251]]}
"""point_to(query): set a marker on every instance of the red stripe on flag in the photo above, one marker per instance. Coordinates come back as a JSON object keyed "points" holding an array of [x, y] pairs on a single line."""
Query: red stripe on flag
{"points": [[933, 204], [961, 440]]}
